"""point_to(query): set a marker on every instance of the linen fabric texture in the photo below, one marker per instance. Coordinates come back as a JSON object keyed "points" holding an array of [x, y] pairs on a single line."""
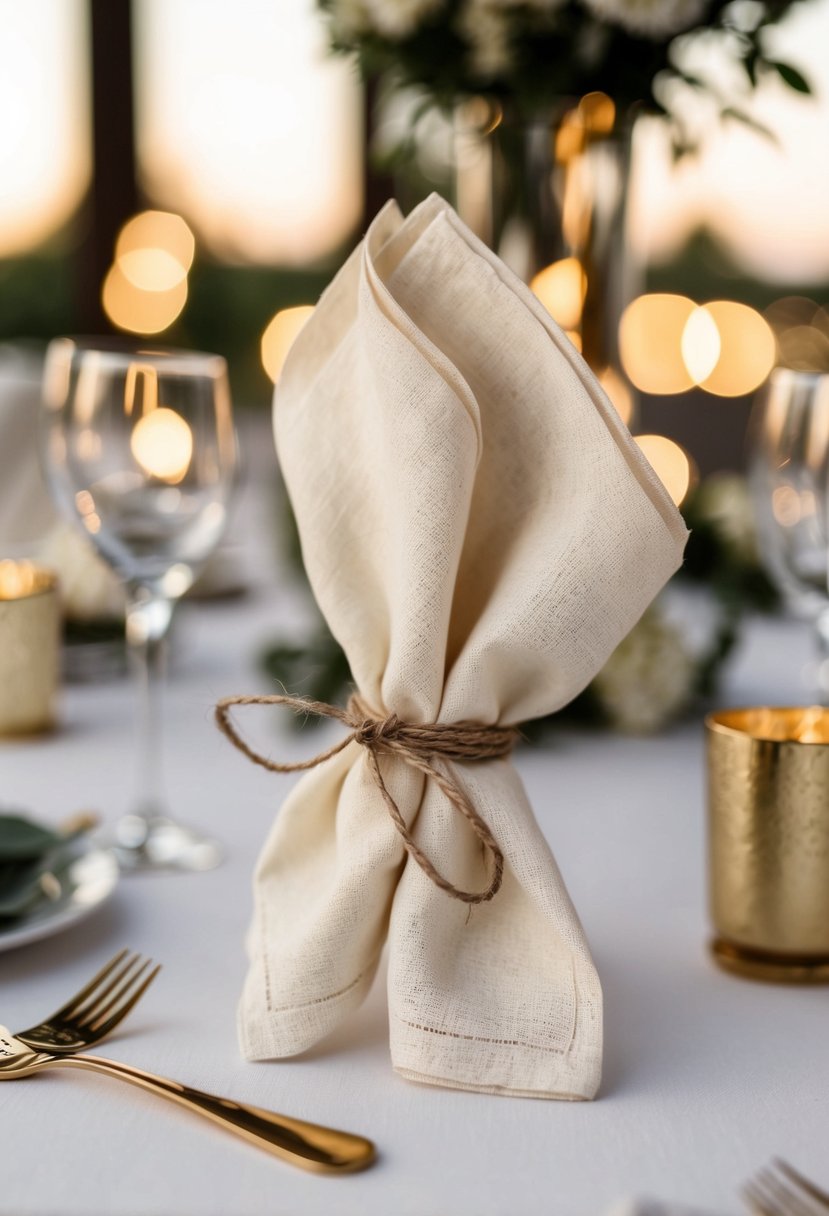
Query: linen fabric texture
{"points": [[480, 532]]}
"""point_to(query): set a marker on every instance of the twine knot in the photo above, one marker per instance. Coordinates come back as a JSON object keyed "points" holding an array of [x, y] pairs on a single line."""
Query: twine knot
{"points": [[373, 732], [416, 744]]}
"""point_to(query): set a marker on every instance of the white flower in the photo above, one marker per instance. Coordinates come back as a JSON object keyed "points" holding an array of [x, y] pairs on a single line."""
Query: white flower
{"points": [[349, 18], [485, 26], [649, 677], [723, 500], [397, 19], [89, 590], [652, 18], [541, 6]]}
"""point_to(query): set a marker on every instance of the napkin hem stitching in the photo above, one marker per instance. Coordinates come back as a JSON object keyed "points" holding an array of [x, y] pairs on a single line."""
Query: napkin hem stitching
{"points": [[321, 1000], [480, 1038], [509, 1091]]}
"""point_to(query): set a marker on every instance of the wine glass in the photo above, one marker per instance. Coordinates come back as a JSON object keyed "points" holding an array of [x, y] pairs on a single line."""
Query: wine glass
{"points": [[139, 451], [789, 477]]}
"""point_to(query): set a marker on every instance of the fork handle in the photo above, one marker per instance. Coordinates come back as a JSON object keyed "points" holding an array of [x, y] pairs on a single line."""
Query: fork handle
{"points": [[309, 1145]]}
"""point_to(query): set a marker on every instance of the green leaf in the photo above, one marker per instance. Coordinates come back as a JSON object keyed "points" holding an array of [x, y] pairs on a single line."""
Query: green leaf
{"points": [[21, 839], [790, 76], [747, 121], [19, 888], [24, 884]]}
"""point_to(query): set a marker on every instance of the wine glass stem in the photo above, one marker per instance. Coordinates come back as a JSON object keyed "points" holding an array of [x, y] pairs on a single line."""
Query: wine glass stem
{"points": [[822, 638], [148, 620]]}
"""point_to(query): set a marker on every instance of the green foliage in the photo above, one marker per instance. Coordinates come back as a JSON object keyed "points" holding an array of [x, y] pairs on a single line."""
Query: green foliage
{"points": [[790, 76], [562, 51], [36, 297], [736, 580], [317, 669], [22, 840], [32, 860]]}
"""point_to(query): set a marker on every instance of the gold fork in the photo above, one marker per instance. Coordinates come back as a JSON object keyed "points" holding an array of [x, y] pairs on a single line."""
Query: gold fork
{"points": [[306, 1144], [781, 1190], [94, 1012]]}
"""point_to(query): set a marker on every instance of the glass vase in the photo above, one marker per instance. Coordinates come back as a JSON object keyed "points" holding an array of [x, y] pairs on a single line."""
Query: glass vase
{"points": [[549, 195]]}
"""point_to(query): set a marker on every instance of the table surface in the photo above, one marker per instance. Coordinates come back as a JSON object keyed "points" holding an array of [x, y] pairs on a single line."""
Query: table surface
{"points": [[705, 1076]]}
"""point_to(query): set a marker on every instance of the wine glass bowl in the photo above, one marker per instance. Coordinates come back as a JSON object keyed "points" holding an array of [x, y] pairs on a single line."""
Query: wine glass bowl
{"points": [[139, 451], [789, 478]]}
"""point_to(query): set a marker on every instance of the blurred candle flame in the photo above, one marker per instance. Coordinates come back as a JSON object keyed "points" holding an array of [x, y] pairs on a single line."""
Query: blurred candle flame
{"points": [[650, 343], [138, 311], [700, 344], [747, 349], [279, 337], [670, 462], [162, 444], [145, 289], [19, 579], [561, 288], [668, 344]]}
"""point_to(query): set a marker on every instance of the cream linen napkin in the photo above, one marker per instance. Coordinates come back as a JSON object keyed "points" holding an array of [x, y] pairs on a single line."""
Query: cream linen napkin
{"points": [[480, 532]]}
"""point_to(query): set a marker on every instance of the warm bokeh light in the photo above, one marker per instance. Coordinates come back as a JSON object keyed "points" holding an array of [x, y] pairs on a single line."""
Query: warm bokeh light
{"points": [[45, 147], [249, 126], [279, 337], [650, 343], [619, 393], [598, 113], [668, 344], [700, 344], [151, 269], [748, 349], [158, 230], [137, 311], [789, 311], [670, 462], [801, 331], [561, 288], [594, 115], [804, 348], [162, 443], [155, 250], [569, 137], [790, 507], [21, 579]]}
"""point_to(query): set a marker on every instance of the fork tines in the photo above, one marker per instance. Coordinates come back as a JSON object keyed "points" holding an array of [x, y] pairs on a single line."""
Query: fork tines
{"points": [[781, 1190], [128, 981]]}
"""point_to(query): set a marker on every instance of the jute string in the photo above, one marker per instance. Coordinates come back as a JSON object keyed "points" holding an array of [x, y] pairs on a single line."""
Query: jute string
{"points": [[416, 744]]}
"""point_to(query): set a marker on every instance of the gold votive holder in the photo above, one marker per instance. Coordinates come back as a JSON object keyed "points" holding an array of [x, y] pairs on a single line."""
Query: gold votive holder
{"points": [[768, 840], [29, 647]]}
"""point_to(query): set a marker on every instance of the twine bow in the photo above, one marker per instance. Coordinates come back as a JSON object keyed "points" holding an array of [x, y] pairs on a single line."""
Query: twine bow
{"points": [[416, 744]]}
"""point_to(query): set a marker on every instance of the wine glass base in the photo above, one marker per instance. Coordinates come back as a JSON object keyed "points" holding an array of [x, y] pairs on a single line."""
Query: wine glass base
{"points": [[157, 843]]}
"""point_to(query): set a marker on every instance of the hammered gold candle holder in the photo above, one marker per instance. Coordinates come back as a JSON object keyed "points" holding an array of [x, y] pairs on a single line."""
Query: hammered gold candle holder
{"points": [[768, 838], [29, 648]]}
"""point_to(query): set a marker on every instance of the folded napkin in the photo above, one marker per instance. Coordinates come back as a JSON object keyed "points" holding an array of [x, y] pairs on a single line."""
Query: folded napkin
{"points": [[480, 532]]}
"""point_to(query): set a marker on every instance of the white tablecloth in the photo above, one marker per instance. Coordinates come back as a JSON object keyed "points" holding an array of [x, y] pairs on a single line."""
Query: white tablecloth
{"points": [[705, 1076]]}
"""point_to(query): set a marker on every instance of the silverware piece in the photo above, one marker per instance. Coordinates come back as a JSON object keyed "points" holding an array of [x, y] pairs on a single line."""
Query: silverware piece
{"points": [[94, 1012], [309, 1145], [781, 1190]]}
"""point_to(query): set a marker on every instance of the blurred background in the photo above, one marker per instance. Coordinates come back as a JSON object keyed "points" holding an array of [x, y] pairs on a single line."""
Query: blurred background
{"points": [[195, 169], [195, 172]]}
